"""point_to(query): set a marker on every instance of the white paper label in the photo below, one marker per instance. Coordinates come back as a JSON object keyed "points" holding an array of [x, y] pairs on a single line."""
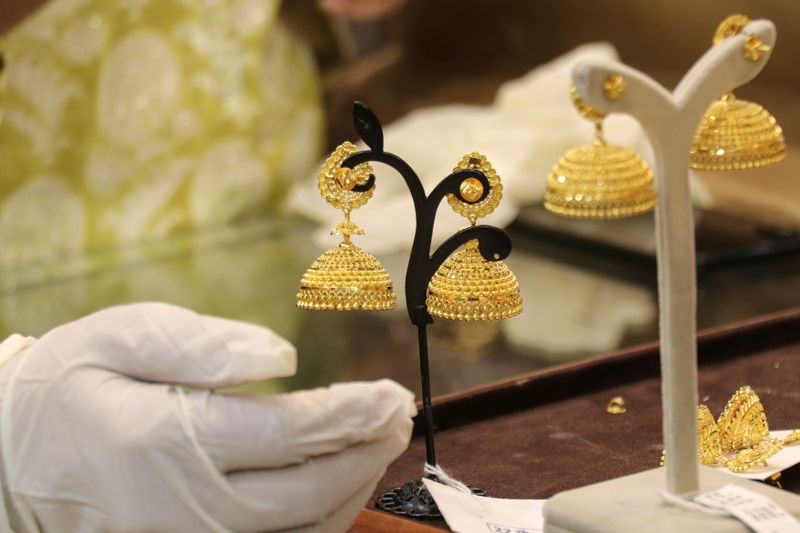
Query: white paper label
{"points": [[758, 512], [467, 513]]}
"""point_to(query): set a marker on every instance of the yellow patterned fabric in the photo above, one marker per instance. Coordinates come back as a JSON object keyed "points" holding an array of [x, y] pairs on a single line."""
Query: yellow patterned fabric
{"points": [[130, 121]]}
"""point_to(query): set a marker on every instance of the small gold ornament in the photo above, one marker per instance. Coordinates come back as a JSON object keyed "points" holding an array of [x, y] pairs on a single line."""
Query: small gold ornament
{"points": [[739, 439], [754, 48], [473, 211], [467, 286], [336, 182], [730, 26], [736, 134], [471, 189], [775, 480], [345, 278], [616, 406], [599, 180], [614, 86]]}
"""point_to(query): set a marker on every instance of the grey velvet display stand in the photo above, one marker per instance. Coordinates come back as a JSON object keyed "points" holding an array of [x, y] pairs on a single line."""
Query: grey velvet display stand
{"points": [[634, 503]]}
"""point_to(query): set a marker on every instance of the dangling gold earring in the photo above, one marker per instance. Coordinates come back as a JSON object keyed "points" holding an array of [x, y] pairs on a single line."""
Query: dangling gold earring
{"points": [[736, 134], [347, 277], [467, 286], [599, 180]]}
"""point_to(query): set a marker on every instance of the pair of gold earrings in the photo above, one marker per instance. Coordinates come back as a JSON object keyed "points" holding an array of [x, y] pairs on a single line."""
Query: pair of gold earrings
{"points": [[602, 180], [465, 287]]}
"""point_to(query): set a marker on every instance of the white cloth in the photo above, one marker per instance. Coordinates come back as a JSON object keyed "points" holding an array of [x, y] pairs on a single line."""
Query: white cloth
{"points": [[98, 434], [577, 311], [530, 124]]}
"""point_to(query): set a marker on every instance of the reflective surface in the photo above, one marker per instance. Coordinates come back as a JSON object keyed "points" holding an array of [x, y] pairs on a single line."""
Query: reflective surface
{"points": [[579, 302]]}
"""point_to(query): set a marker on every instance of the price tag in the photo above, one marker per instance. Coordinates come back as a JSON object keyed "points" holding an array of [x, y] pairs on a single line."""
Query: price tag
{"points": [[758, 512], [467, 513]]}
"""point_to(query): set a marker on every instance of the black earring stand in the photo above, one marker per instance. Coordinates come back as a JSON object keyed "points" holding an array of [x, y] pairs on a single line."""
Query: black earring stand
{"points": [[413, 499]]}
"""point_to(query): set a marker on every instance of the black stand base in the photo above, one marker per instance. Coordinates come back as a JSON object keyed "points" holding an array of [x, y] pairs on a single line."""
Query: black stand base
{"points": [[414, 501]]}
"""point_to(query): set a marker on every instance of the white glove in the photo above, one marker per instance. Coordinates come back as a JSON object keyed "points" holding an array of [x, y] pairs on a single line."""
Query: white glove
{"points": [[97, 434]]}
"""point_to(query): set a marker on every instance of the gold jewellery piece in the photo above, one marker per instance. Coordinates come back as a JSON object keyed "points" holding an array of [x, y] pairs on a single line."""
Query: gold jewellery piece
{"points": [[616, 406], [736, 134], [599, 180], [467, 286], [614, 86], [347, 277], [739, 439]]}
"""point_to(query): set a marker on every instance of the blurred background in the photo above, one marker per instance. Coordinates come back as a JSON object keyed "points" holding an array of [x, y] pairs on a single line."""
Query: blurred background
{"points": [[168, 150]]}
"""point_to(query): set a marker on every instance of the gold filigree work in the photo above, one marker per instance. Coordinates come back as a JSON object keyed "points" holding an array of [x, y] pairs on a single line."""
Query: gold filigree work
{"points": [[336, 183], [736, 134], [346, 278], [743, 422], [467, 286], [585, 110], [476, 161], [599, 180], [739, 439]]}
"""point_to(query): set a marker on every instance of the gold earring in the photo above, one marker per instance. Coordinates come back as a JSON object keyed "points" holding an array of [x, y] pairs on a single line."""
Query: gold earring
{"points": [[599, 180], [739, 439], [467, 286], [347, 277], [736, 134]]}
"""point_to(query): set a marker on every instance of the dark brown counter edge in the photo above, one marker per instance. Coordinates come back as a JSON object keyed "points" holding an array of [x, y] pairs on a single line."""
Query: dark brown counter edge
{"points": [[605, 371]]}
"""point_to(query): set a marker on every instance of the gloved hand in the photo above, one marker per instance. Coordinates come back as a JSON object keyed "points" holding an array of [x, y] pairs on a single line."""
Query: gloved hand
{"points": [[97, 434]]}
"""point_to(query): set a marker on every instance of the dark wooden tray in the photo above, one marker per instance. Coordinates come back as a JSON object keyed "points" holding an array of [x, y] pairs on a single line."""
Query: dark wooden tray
{"points": [[548, 431], [721, 239]]}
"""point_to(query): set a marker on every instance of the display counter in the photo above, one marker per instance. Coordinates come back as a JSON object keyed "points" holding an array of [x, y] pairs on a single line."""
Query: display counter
{"points": [[541, 433]]}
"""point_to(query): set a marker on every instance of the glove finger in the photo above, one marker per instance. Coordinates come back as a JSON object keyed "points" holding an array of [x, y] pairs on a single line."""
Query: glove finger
{"points": [[343, 517], [169, 344], [308, 493], [245, 432]]}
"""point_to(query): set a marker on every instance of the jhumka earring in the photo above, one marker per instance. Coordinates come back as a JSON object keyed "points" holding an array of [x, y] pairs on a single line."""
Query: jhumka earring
{"points": [[467, 286], [599, 180], [736, 134], [347, 277]]}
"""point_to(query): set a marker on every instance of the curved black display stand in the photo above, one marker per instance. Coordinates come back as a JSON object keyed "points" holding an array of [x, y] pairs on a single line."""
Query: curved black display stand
{"points": [[412, 499]]}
